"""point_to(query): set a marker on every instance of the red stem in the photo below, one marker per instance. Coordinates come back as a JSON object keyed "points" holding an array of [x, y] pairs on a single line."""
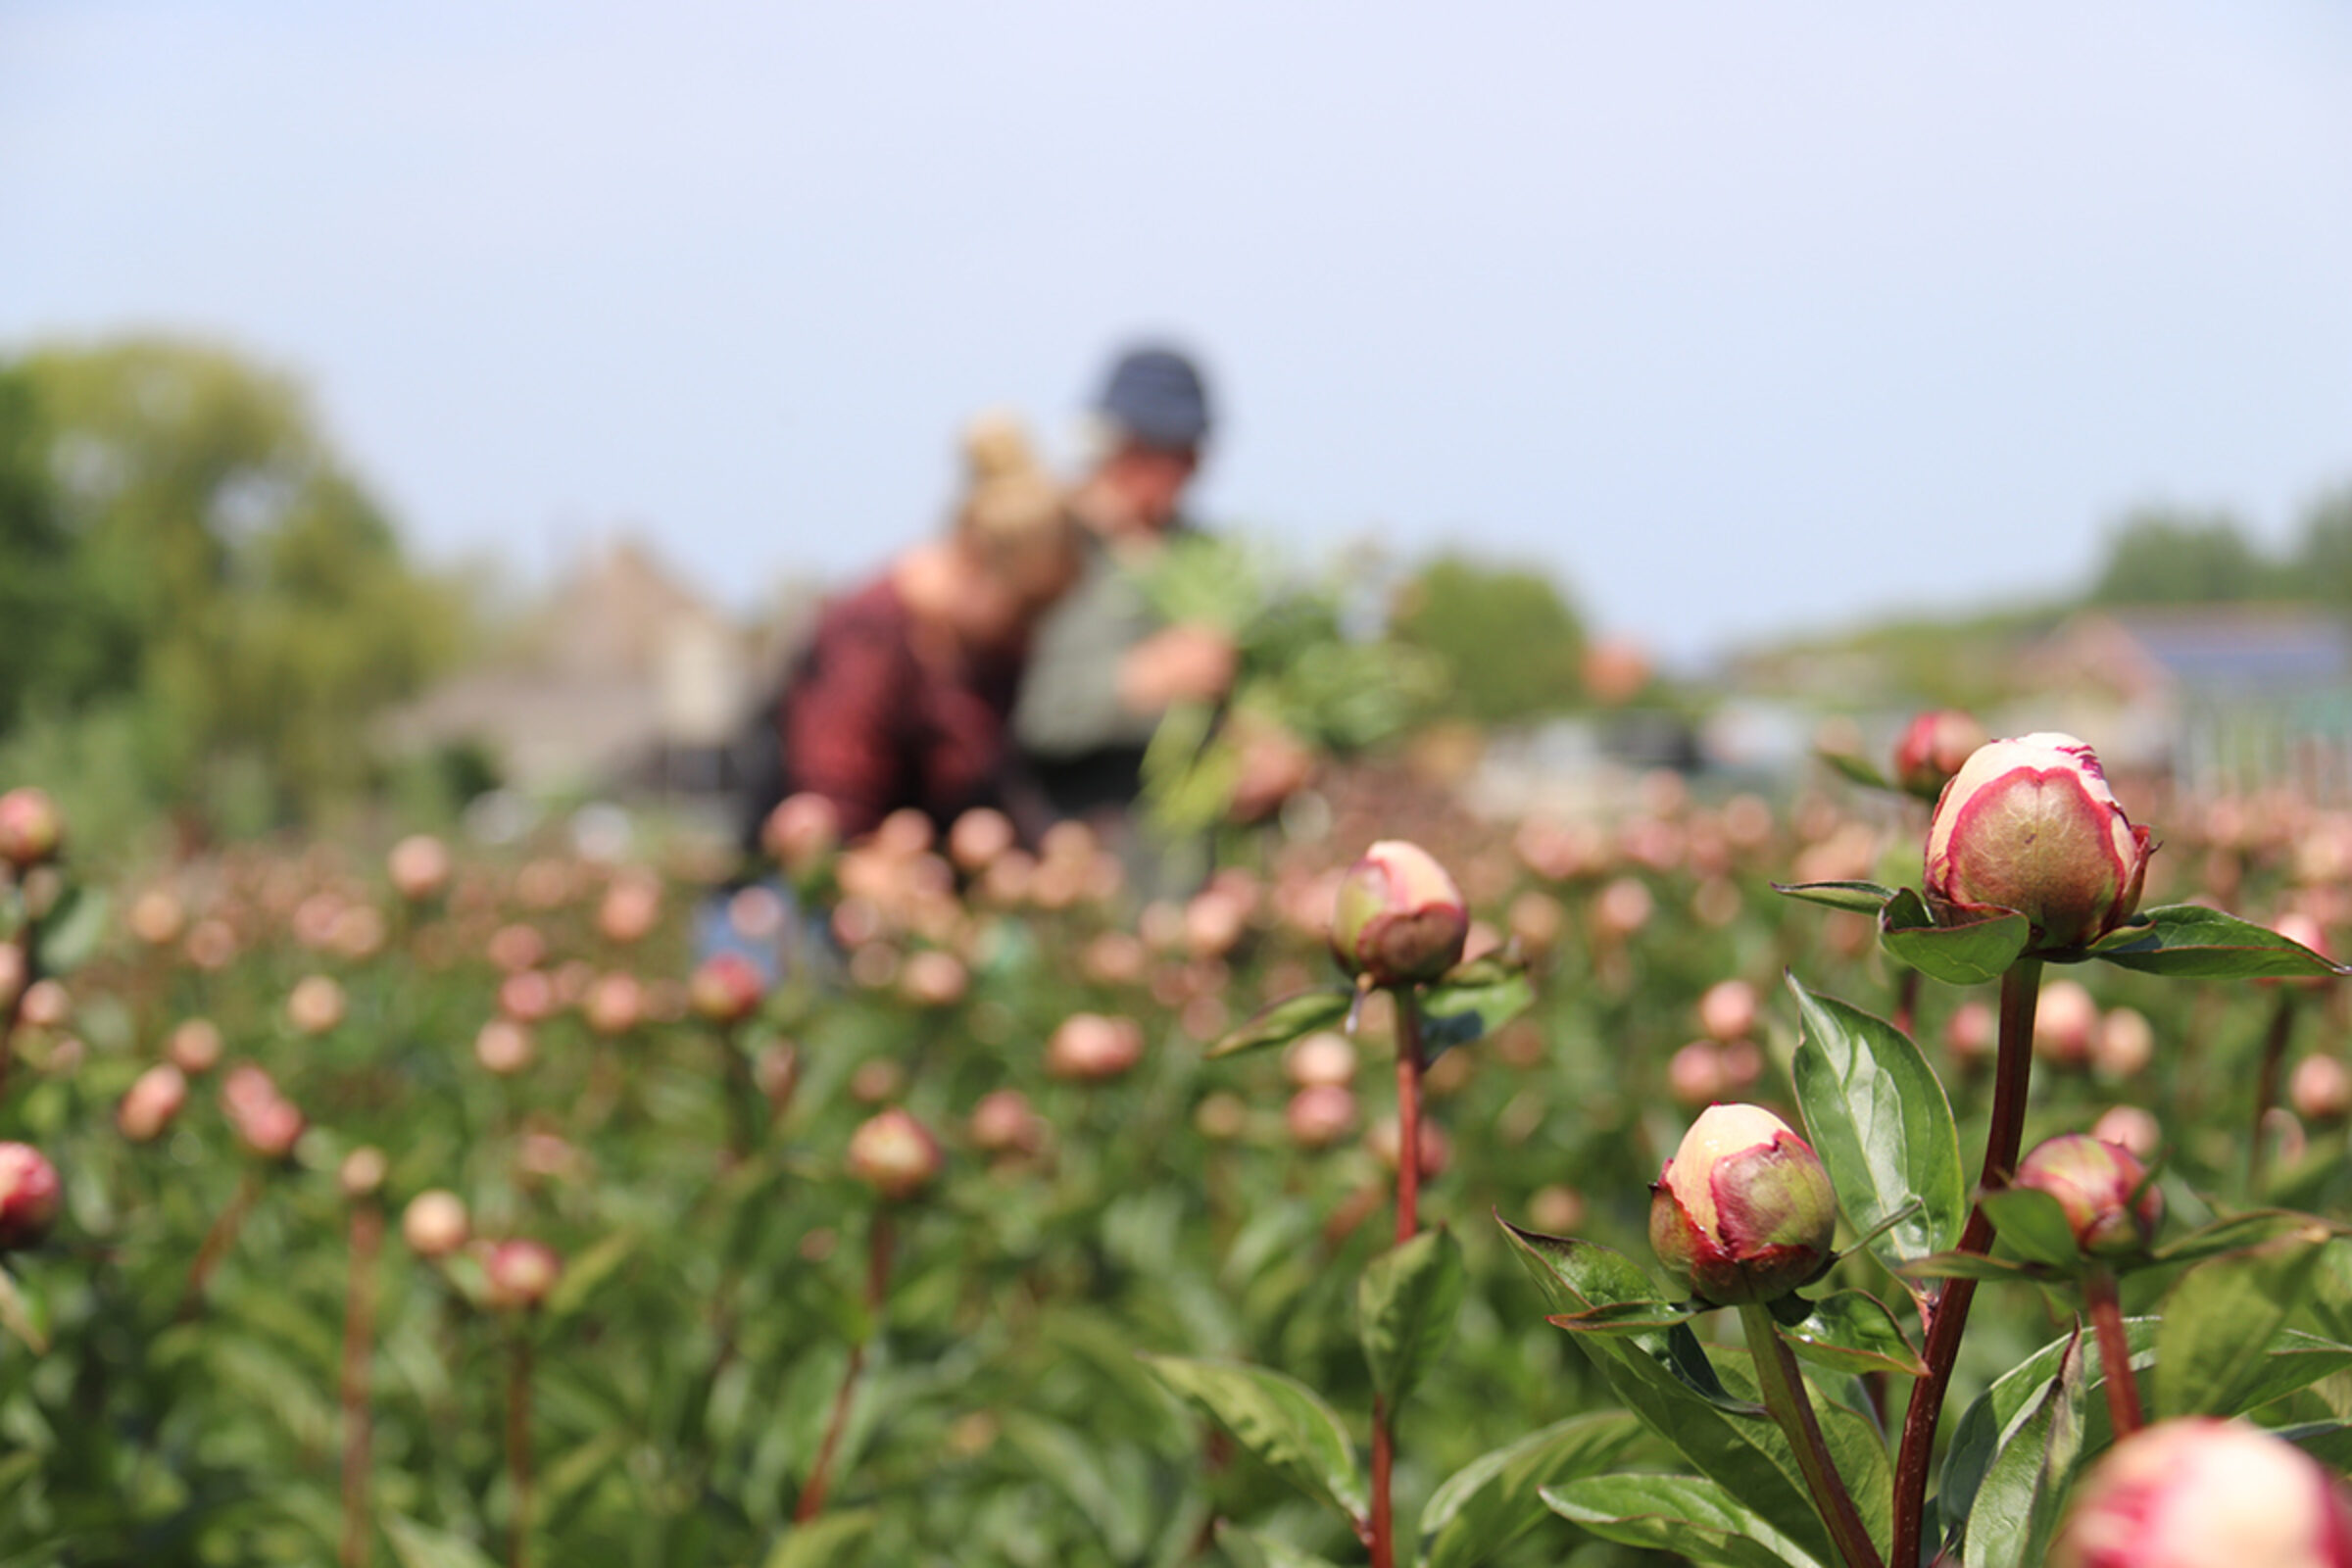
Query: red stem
{"points": [[359, 1342], [1383, 1540], [877, 1292], [2106, 1307], [1947, 1312], [216, 1243]]}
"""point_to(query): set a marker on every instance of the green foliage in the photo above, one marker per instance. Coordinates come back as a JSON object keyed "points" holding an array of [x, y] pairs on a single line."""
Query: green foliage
{"points": [[206, 567], [2163, 556], [1514, 645]]}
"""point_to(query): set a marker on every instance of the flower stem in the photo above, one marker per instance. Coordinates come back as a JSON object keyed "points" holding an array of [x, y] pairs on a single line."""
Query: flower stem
{"points": [[2265, 1084], [877, 1291], [519, 1444], [359, 1342], [1945, 1314], [216, 1243], [2106, 1307], [1408, 1225], [1791, 1406]]}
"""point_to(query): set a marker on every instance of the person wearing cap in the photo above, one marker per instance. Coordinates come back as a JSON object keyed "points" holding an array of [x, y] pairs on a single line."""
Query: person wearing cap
{"points": [[1103, 668]]}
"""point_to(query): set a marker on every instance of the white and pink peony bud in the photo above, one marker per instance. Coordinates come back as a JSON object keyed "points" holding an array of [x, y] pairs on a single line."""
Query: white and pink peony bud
{"points": [[1320, 1115], [802, 832], [725, 989], [614, 1003], [30, 827], [30, 1195], [1325, 1056], [1744, 1210], [2065, 1024], [2203, 1493], [362, 1171], [1003, 1123], [521, 1274], [2030, 825], [1398, 918], [419, 867], [503, 1047], [1934, 745], [315, 1006], [151, 1104], [194, 1047], [1091, 1047], [2320, 1088], [1727, 1009], [895, 1154], [435, 1223], [2110, 1204], [2131, 1127]]}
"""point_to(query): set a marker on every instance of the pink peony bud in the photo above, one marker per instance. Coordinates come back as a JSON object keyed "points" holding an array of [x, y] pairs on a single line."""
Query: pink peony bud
{"points": [[1385, 1140], [725, 989], [419, 867], [2205, 1493], [271, 1129], [1934, 745], [2030, 825], [151, 1103], [362, 1172], [1002, 1123], [503, 1047], [521, 1273], [315, 1006], [1726, 1010], [2320, 1088], [802, 832], [1092, 1047], [934, 979], [46, 1004], [30, 827], [435, 1224], [194, 1047], [614, 1003], [2065, 1024], [1694, 1074], [2110, 1203], [895, 1154], [1320, 1115], [1744, 1211], [1322, 1057], [30, 1195], [2130, 1127], [978, 837], [1398, 918]]}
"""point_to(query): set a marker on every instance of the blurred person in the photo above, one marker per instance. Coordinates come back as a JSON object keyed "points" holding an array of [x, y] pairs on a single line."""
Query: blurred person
{"points": [[904, 695], [1105, 669]]}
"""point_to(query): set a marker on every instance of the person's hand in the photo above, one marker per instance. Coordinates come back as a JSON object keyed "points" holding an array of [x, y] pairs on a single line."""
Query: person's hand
{"points": [[1183, 664]]}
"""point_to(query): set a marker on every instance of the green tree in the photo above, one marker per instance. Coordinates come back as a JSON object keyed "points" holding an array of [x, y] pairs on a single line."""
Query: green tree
{"points": [[2162, 556], [1511, 639], [223, 577], [2323, 557]]}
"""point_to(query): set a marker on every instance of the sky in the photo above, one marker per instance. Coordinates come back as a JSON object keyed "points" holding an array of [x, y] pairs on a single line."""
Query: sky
{"points": [[1740, 320]]}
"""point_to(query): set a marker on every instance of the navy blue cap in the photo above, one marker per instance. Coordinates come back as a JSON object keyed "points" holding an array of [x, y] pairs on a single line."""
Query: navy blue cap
{"points": [[1154, 395]]}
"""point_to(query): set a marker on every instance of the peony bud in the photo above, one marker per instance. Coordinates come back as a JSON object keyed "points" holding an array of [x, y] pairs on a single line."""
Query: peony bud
{"points": [[194, 1046], [1726, 1010], [1091, 1047], [2320, 1088], [1322, 1057], [614, 1005], [503, 1047], [1385, 1139], [2203, 1493], [30, 827], [315, 1006], [1002, 1123], [2030, 825], [1398, 918], [361, 1172], [725, 989], [895, 1154], [151, 1103], [30, 1195], [434, 1224], [1320, 1115], [1934, 745], [419, 867], [1744, 1211], [2065, 1024], [2111, 1205], [521, 1273]]}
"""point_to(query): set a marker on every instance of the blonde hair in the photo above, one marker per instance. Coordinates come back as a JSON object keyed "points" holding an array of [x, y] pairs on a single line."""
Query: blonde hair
{"points": [[1015, 516]]}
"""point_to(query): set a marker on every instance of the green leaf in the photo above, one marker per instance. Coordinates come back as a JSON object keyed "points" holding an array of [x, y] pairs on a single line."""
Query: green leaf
{"points": [[2219, 1321], [2328, 1442], [2191, 941], [69, 933], [2032, 1225], [1957, 1265], [1404, 1305], [1855, 898], [419, 1546], [584, 1273], [1854, 769], [1281, 1022], [1853, 1332], [829, 1539], [2240, 1233], [1471, 1002], [1965, 950], [1881, 1125], [1668, 1382], [1625, 1318], [23, 1316], [1249, 1549], [2016, 1508], [1492, 1500], [1686, 1514], [1279, 1419]]}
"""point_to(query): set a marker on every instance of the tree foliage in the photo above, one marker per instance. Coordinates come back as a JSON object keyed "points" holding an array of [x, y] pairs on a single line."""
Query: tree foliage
{"points": [[1511, 639], [199, 558], [2163, 556]]}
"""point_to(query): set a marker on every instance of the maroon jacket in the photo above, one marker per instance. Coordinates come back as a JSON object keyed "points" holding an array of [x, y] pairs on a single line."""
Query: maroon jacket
{"points": [[871, 726]]}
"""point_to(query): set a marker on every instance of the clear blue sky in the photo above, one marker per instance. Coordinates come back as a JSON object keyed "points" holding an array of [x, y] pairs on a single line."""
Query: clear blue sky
{"points": [[1741, 317]]}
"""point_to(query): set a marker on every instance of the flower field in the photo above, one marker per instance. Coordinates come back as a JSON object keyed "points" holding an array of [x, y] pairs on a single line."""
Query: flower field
{"points": [[429, 1204]]}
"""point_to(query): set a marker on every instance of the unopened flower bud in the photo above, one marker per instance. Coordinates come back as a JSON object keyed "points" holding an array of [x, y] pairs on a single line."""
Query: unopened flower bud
{"points": [[1934, 745], [895, 1154], [1726, 1010], [801, 831], [419, 867], [1398, 918], [271, 1128], [30, 827], [630, 910], [2130, 1127], [2202, 1493], [2110, 1204], [30, 1195], [503, 1047], [1322, 1057], [362, 1172], [315, 1006], [934, 979], [2320, 1088], [521, 1273], [2030, 825], [1320, 1115], [2065, 1024], [1002, 1123], [1092, 1047], [1385, 1140], [614, 1005], [725, 989], [151, 1103], [194, 1047], [434, 1224], [1694, 1074], [1744, 1210]]}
